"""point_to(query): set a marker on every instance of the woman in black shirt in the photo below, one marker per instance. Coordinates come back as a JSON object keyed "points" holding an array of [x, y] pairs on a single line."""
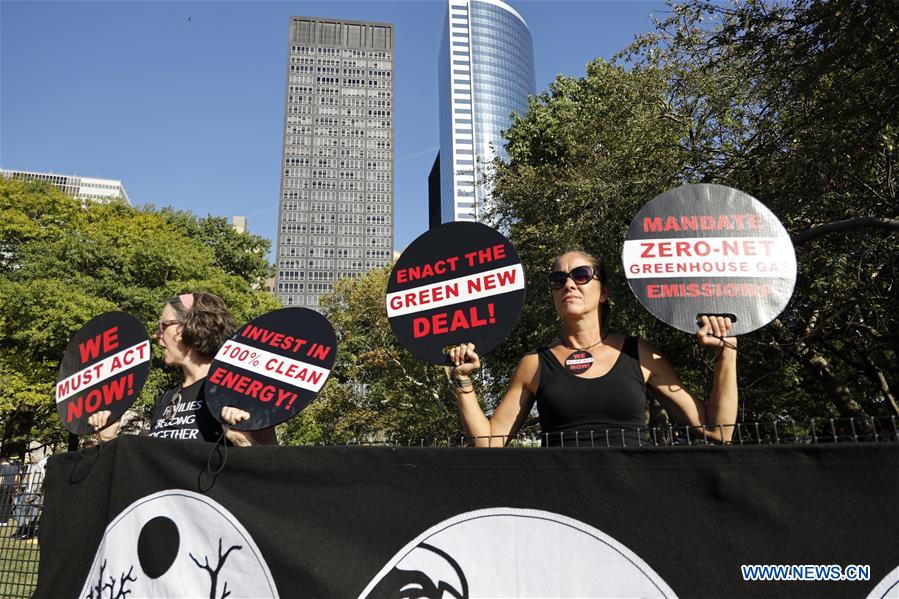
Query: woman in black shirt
{"points": [[192, 328], [590, 385]]}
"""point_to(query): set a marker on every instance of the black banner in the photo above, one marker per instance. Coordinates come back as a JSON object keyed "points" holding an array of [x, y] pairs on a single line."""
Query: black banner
{"points": [[142, 515]]}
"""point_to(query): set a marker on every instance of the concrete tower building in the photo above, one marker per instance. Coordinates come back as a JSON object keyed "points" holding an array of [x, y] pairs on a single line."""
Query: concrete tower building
{"points": [[486, 73], [336, 202]]}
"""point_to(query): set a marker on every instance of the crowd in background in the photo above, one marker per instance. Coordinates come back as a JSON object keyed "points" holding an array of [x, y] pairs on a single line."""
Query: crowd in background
{"points": [[21, 494]]}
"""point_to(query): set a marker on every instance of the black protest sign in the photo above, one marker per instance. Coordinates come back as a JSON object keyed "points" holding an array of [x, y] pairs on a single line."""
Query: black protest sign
{"points": [[104, 368], [709, 249], [272, 367], [461, 282]]}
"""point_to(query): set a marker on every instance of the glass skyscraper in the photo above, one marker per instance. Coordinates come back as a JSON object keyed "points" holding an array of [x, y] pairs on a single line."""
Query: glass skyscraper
{"points": [[336, 205], [486, 73]]}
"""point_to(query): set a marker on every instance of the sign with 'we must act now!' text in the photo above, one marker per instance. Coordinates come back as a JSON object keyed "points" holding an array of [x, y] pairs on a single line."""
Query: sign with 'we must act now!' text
{"points": [[104, 368]]}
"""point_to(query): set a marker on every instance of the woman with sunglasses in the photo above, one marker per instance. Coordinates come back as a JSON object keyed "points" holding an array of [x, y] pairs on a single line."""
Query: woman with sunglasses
{"points": [[590, 385], [192, 328]]}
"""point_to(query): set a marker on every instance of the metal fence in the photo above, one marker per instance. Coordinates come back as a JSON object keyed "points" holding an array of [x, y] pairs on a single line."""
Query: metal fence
{"points": [[781, 432], [21, 499]]}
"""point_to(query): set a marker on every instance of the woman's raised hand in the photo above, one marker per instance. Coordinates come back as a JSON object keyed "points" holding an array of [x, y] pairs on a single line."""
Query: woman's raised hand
{"points": [[98, 420], [104, 430], [465, 360], [713, 332], [233, 415]]}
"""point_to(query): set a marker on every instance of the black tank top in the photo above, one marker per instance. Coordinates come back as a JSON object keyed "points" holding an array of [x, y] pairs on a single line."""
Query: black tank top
{"points": [[578, 411]]}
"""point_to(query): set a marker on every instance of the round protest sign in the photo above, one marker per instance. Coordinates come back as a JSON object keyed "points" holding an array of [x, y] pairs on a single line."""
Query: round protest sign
{"points": [[709, 249], [104, 368], [272, 367], [461, 282]]}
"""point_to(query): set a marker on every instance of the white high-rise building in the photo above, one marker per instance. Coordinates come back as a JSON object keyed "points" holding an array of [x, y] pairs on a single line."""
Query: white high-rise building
{"points": [[486, 72], [80, 188]]}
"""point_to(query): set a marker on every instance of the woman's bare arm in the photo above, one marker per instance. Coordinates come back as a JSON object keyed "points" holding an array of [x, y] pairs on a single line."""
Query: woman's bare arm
{"points": [[512, 410], [716, 418]]}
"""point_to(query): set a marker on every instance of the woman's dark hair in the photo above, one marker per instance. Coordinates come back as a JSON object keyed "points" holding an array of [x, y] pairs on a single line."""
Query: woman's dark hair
{"points": [[207, 324], [597, 265]]}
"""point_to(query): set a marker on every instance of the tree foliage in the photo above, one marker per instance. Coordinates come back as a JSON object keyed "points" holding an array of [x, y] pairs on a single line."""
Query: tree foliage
{"points": [[377, 391], [62, 263], [794, 104]]}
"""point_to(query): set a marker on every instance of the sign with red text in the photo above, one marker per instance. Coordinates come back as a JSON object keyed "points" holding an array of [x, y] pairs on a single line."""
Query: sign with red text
{"points": [[709, 249], [104, 368], [272, 367], [461, 282]]}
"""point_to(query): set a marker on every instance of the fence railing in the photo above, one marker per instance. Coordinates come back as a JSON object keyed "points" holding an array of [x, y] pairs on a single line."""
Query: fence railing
{"points": [[21, 500], [780, 432]]}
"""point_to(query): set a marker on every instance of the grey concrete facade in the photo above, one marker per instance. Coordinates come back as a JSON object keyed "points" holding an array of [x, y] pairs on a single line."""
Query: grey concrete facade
{"points": [[337, 180]]}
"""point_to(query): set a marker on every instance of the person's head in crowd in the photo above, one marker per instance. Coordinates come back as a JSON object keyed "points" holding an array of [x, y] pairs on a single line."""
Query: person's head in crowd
{"points": [[579, 284], [192, 328]]}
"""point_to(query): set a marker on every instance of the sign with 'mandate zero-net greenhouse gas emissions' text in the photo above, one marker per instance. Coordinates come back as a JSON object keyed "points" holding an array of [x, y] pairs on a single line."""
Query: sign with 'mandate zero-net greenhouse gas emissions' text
{"points": [[461, 282], [709, 249]]}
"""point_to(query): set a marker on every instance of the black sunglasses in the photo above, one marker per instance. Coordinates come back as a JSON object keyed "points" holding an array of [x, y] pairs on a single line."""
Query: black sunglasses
{"points": [[580, 275]]}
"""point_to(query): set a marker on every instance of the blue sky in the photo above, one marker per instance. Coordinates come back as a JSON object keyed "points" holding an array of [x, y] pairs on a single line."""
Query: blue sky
{"points": [[184, 101]]}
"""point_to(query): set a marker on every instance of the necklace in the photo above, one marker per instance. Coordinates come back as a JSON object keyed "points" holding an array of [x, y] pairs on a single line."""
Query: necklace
{"points": [[580, 359], [600, 340]]}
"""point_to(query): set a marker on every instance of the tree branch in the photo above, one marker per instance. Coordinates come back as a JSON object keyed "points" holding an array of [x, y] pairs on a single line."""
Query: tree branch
{"points": [[224, 557], [836, 389], [124, 578], [815, 330], [412, 379], [872, 222], [199, 565]]}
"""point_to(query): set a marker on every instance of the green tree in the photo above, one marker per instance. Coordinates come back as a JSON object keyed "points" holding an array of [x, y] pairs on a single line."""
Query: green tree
{"points": [[62, 263], [377, 391], [795, 105]]}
